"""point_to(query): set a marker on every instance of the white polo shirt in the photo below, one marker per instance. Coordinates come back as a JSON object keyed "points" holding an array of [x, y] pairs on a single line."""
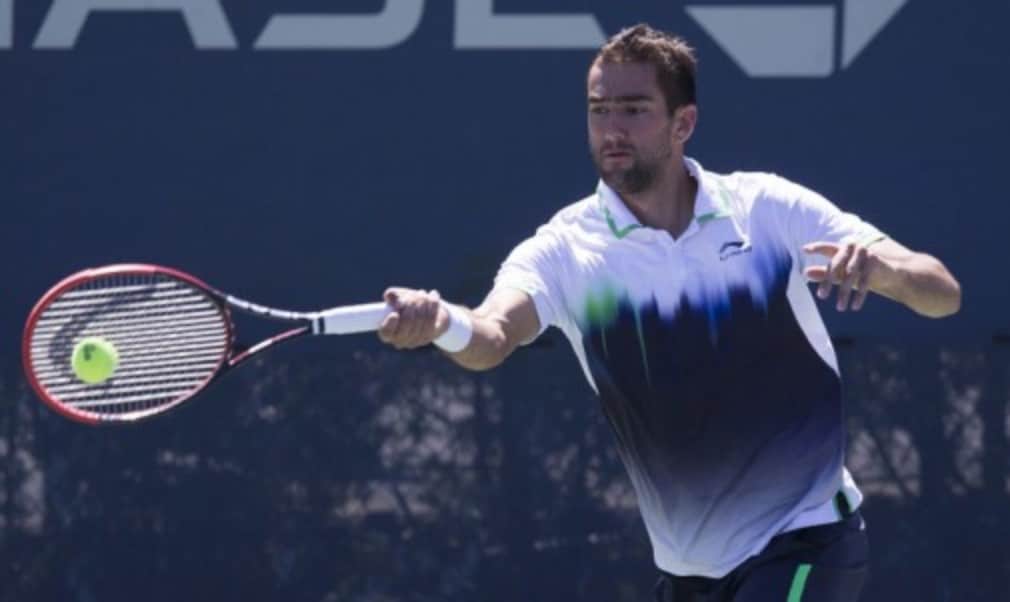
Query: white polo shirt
{"points": [[711, 361]]}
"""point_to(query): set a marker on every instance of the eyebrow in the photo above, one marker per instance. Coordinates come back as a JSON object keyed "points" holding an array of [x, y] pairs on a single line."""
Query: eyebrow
{"points": [[625, 98]]}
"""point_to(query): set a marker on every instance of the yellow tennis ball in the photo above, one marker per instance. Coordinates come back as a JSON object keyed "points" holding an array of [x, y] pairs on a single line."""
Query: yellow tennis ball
{"points": [[94, 360]]}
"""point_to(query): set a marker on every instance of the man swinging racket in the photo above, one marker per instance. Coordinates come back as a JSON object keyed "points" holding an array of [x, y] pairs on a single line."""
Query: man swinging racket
{"points": [[684, 295]]}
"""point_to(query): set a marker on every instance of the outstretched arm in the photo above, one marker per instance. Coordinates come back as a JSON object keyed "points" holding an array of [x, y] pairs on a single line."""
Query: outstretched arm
{"points": [[503, 321], [919, 281]]}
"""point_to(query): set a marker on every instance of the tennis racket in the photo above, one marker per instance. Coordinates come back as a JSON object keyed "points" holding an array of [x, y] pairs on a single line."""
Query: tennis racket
{"points": [[174, 335]]}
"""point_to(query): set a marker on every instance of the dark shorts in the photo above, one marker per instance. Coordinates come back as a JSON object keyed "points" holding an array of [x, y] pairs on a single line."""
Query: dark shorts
{"points": [[826, 563]]}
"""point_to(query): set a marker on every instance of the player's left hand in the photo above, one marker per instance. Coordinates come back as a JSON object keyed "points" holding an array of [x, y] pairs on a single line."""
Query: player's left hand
{"points": [[850, 269]]}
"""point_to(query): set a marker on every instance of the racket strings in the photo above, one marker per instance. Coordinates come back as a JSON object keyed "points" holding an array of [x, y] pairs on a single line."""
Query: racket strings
{"points": [[170, 337]]}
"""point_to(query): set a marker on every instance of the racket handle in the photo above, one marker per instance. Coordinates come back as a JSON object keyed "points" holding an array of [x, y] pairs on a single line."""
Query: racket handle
{"points": [[351, 319]]}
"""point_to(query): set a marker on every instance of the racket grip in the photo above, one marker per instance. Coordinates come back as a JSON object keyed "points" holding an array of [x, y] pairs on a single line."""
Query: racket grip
{"points": [[351, 319]]}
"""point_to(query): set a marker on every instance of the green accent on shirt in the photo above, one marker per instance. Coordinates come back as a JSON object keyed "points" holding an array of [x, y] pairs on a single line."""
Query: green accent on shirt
{"points": [[618, 232], [799, 583], [721, 204]]}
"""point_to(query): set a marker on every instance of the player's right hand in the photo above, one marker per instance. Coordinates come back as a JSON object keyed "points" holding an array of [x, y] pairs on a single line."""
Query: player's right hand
{"points": [[417, 319]]}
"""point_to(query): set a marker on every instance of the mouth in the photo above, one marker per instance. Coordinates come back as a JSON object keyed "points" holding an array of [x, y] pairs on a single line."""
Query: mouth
{"points": [[616, 154]]}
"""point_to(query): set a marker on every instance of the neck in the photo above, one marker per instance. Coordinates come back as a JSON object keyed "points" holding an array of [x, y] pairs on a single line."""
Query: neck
{"points": [[669, 203]]}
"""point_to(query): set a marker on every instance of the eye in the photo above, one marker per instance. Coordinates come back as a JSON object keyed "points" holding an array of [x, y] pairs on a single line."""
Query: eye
{"points": [[598, 109], [634, 110]]}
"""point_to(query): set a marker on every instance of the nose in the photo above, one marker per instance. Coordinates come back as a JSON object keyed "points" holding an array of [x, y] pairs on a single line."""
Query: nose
{"points": [[612, 129], [613, 136]]}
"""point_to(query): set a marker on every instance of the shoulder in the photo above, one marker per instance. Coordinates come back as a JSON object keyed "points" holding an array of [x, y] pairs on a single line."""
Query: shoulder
{"points": [[742, 192], [758, 191]]}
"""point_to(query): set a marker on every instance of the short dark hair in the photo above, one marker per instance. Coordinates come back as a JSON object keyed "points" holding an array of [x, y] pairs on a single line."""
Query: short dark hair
{"points": [[672, 56]]}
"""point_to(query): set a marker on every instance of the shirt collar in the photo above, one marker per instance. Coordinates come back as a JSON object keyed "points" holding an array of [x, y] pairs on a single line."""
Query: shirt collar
{"points": [[709, 203]]}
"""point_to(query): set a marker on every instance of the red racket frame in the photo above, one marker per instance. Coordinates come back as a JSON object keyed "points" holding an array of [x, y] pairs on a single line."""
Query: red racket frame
{"points": [[229, 358]]}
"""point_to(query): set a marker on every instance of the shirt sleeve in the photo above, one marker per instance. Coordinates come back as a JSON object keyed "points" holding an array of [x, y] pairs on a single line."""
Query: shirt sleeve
{"points": [[809, 217], [534, 267]]}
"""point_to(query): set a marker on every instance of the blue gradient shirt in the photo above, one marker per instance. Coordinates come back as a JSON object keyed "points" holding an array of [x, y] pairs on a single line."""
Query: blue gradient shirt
{"points": [[712, 364]]}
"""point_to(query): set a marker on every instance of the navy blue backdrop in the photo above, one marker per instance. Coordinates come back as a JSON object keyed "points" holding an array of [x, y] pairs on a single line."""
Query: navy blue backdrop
{"points": [[266, 171], [313, 177]]}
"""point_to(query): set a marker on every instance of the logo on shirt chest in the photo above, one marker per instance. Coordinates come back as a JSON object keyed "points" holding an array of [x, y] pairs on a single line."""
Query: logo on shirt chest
{"points": [[734, 247]]}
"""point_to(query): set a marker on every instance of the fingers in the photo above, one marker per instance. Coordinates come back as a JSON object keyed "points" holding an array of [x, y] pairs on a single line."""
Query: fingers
{"points": [[827, 249], [413, 321], [390, 324], [816, 273], [417, 317], [387, 330], [836, 270], [862, 292], [849, 270], [852, 271]]}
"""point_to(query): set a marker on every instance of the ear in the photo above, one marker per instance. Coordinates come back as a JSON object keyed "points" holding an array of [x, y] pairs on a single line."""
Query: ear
{"points": [[685, 118]]}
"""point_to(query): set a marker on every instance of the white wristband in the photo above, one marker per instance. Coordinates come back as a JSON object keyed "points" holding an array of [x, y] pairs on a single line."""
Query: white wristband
{"points": [[460, 330]]}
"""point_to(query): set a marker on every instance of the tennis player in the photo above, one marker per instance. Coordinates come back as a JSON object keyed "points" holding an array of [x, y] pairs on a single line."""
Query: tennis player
{"points": [[685, 296]]}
